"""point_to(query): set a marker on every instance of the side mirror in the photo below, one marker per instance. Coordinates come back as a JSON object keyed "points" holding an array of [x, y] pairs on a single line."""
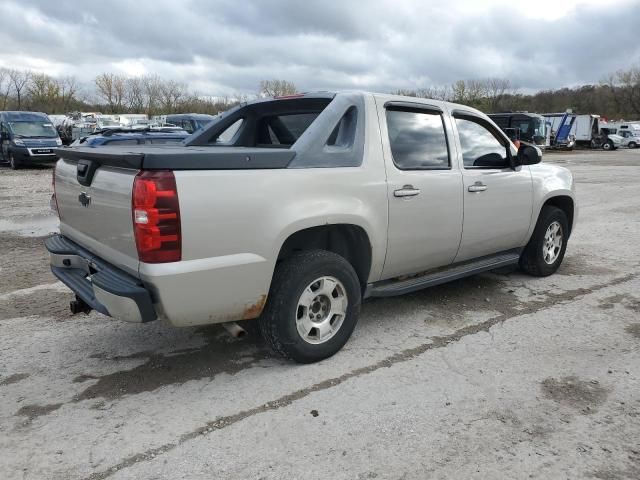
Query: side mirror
{"points": [[529, 155]]}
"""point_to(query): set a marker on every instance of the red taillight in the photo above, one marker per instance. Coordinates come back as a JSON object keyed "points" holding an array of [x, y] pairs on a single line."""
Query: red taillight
{"points": [[156, 217]]}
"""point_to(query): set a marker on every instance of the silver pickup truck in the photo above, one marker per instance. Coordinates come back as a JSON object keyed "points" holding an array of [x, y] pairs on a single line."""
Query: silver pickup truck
{"points": [[292, 210]]}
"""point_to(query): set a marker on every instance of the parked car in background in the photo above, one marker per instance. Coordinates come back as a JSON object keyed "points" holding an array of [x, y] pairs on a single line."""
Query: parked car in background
{"points": [[314, 203], [28, 138], [629, 132], [189, 121], [132, 136], [106, 121], [630, 139]]}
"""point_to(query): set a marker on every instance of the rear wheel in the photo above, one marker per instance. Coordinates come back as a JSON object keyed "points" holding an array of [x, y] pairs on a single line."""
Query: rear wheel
{"points": [[545, 251], [313, 306]]}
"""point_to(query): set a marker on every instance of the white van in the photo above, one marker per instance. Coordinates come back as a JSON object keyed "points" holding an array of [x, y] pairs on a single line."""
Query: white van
{"points": [[629, 132]]}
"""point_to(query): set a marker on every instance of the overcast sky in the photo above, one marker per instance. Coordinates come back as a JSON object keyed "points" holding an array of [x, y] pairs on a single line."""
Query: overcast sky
{"points": [[224, 47]]}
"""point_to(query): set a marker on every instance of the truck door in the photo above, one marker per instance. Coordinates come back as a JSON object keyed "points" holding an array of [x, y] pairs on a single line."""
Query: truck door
{"points": [[497, 199], [424, 189]]}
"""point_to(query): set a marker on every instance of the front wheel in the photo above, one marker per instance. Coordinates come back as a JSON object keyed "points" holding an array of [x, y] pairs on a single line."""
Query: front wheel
{"points": [[544, 253], [608, 146], [313, 306], [632, 145], [13, 163]]}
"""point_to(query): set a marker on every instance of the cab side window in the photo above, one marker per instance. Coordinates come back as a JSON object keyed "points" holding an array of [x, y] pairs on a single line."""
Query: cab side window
{"points": [[481, 147], [418, 139]]}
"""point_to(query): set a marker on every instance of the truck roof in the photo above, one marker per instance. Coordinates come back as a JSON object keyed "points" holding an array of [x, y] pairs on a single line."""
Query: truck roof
{"points": [[515, 114]]}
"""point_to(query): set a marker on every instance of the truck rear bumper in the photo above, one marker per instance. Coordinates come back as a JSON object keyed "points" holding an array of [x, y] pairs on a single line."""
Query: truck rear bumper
{"points": [[100, 285]]}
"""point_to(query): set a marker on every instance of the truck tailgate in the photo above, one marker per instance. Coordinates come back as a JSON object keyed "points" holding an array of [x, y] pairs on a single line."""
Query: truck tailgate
{"points": [[97, 214]]}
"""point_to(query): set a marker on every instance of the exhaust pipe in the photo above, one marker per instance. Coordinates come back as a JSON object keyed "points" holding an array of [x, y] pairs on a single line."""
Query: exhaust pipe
{"points": [[79, 306], [234, 329]]}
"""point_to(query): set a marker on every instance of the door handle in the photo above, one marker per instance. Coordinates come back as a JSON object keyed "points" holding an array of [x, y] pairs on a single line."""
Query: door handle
{"points": [[406, 191], [477, 187]]}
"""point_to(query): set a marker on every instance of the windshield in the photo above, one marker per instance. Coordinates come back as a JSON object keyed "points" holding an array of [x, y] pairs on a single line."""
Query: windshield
{"points": [[540, 127], [33, 129]]}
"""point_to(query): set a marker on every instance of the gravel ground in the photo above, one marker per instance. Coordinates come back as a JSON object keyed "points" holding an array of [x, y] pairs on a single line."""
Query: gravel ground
{"points": [[496, 376]]}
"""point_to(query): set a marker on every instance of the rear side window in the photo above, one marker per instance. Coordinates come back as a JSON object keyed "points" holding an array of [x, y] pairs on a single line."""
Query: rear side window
{"points": [[418, 140], [344, 134], [481, 147], [230, 132], [284, 129]]}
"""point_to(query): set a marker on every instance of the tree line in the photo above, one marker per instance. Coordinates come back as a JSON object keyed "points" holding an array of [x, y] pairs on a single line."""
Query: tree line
{"points": [[616, 96]]}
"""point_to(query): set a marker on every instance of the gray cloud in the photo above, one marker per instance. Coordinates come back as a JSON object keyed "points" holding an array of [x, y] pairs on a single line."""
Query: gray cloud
{"points": [[223, 46]]}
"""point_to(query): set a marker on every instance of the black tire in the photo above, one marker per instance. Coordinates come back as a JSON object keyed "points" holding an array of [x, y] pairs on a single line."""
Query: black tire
{"points": [[13, 163], [632, 145], [532, 259], [278, 322], [594, 144], [608, 145]]}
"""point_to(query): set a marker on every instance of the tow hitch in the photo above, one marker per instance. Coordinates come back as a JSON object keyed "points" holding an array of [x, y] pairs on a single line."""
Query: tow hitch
{"points": [[79, 306]]}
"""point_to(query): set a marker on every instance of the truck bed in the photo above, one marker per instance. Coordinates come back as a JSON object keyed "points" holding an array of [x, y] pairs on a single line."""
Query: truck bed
{"points": [[180, 157]]}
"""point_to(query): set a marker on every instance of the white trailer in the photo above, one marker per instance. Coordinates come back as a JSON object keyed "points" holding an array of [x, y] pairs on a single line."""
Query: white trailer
{"points": [[584, 128]]}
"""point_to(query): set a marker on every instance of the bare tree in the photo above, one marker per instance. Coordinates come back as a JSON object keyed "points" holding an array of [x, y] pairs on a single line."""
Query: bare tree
{"points": [[19, 80], [628, 83], [120, 91], [104, 86], [496, 89], [171, 92], [276, 88], [435, 93], [69, 88], [43, 92], [135, 94], [459, 92], [5, 86], [111, 89]]}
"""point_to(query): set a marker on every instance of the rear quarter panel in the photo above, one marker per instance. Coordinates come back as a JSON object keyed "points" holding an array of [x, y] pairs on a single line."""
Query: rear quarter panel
{"points": [[234, 223]]}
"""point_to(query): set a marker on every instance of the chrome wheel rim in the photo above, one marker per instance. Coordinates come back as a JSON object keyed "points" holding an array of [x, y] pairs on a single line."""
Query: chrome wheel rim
{"points": [[552, 243], [321, 310]]}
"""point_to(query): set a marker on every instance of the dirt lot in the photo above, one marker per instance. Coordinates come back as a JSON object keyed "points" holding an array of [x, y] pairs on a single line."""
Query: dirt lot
{"points": [[496, 376]]}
